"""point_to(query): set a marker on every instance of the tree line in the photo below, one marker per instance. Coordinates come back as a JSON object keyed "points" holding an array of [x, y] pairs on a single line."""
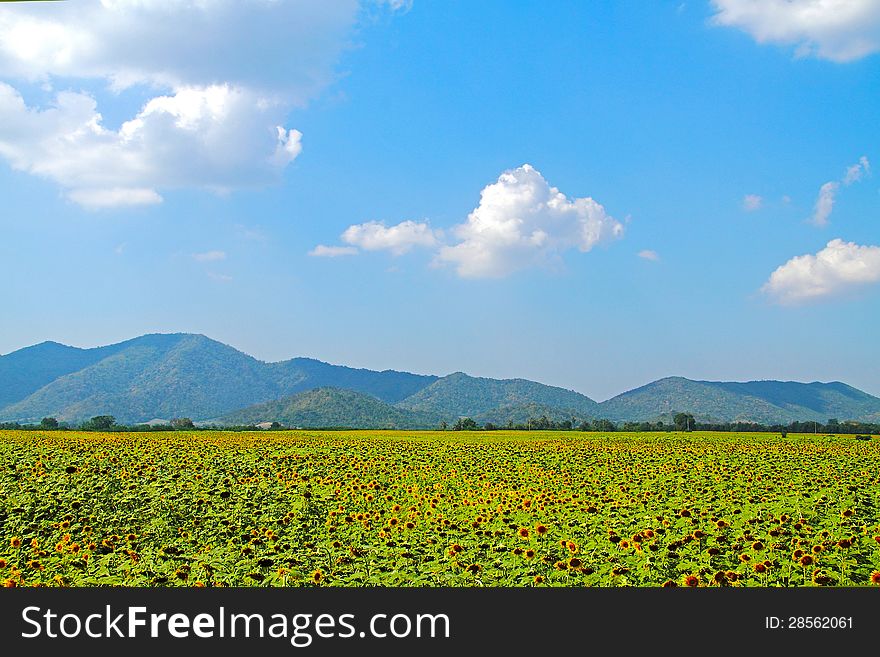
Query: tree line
{"points": [[680, 422]]}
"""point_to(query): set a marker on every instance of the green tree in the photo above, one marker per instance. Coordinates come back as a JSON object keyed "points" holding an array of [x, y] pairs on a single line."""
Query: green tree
{"points": [[603, 425], [100, 423], [182, 423], [683, 421], [49, 423], [465, 424]]}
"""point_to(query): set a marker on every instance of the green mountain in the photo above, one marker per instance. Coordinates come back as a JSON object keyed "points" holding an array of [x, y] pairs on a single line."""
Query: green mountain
{"points": [[332, 407], [185, 375], [300, 374], [460, 395], [27, 370], [152, 376], [754, 401], [165, 376]]}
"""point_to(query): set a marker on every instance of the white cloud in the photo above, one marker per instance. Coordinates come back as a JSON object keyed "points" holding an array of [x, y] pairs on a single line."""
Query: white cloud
{"points": [[837, 30], [283, 47], [838, 268], [398, 5], [224, 73], [522, 222], [857, 171], [253, 233], [218, 138], [648, 254], [221, 278], [399, 239], [825, 203], [828, 191], [115, 196], [322, 251], [209, 256], [752, 202]]}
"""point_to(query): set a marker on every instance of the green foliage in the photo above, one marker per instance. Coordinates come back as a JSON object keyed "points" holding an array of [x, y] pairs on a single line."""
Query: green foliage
{"points": [[99, 423], [465, 424], [332, 407], [683, 421], [460, 395]]}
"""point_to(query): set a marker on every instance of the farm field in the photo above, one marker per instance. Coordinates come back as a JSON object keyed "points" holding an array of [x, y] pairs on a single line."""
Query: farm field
{"points": [[385, 508]]}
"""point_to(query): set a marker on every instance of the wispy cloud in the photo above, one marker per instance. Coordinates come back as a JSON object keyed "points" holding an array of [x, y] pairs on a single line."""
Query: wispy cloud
{"points": [[752, 202], [252, 233], [857, 171], [323, 251], [828, 191], [209, 256], [825, 203], [648, 254]]}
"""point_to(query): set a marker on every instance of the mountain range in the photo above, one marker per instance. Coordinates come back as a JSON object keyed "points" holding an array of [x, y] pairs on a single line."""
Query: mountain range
{"points": [[164, 376]]}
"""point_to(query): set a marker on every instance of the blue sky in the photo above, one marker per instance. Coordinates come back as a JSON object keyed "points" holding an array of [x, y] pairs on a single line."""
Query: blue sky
{"points": [[590, 195]]}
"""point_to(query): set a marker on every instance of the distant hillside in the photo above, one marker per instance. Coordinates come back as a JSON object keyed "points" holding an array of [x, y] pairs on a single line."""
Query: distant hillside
{"points": [[332, 407], [522, 413], [460, 395], [153, 376], [755, 401], [391, 386], [168, 375], [25, 371], [186, 375]]}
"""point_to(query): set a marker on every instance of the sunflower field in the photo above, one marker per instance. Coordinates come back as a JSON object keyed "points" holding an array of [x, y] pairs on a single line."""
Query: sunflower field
{"points": [[386, 508]]}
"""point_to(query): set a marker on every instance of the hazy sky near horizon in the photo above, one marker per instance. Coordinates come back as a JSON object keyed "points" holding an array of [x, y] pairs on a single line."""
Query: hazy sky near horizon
{"points": [[589, 195]]}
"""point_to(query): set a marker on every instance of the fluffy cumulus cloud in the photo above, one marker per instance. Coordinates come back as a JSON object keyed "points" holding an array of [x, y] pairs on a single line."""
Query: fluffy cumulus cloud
{"points": [[284, 47], [398, 239], [224, 75], [215, 137], [836, 269], [522, 221], [837, 30], [828, 191]]}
